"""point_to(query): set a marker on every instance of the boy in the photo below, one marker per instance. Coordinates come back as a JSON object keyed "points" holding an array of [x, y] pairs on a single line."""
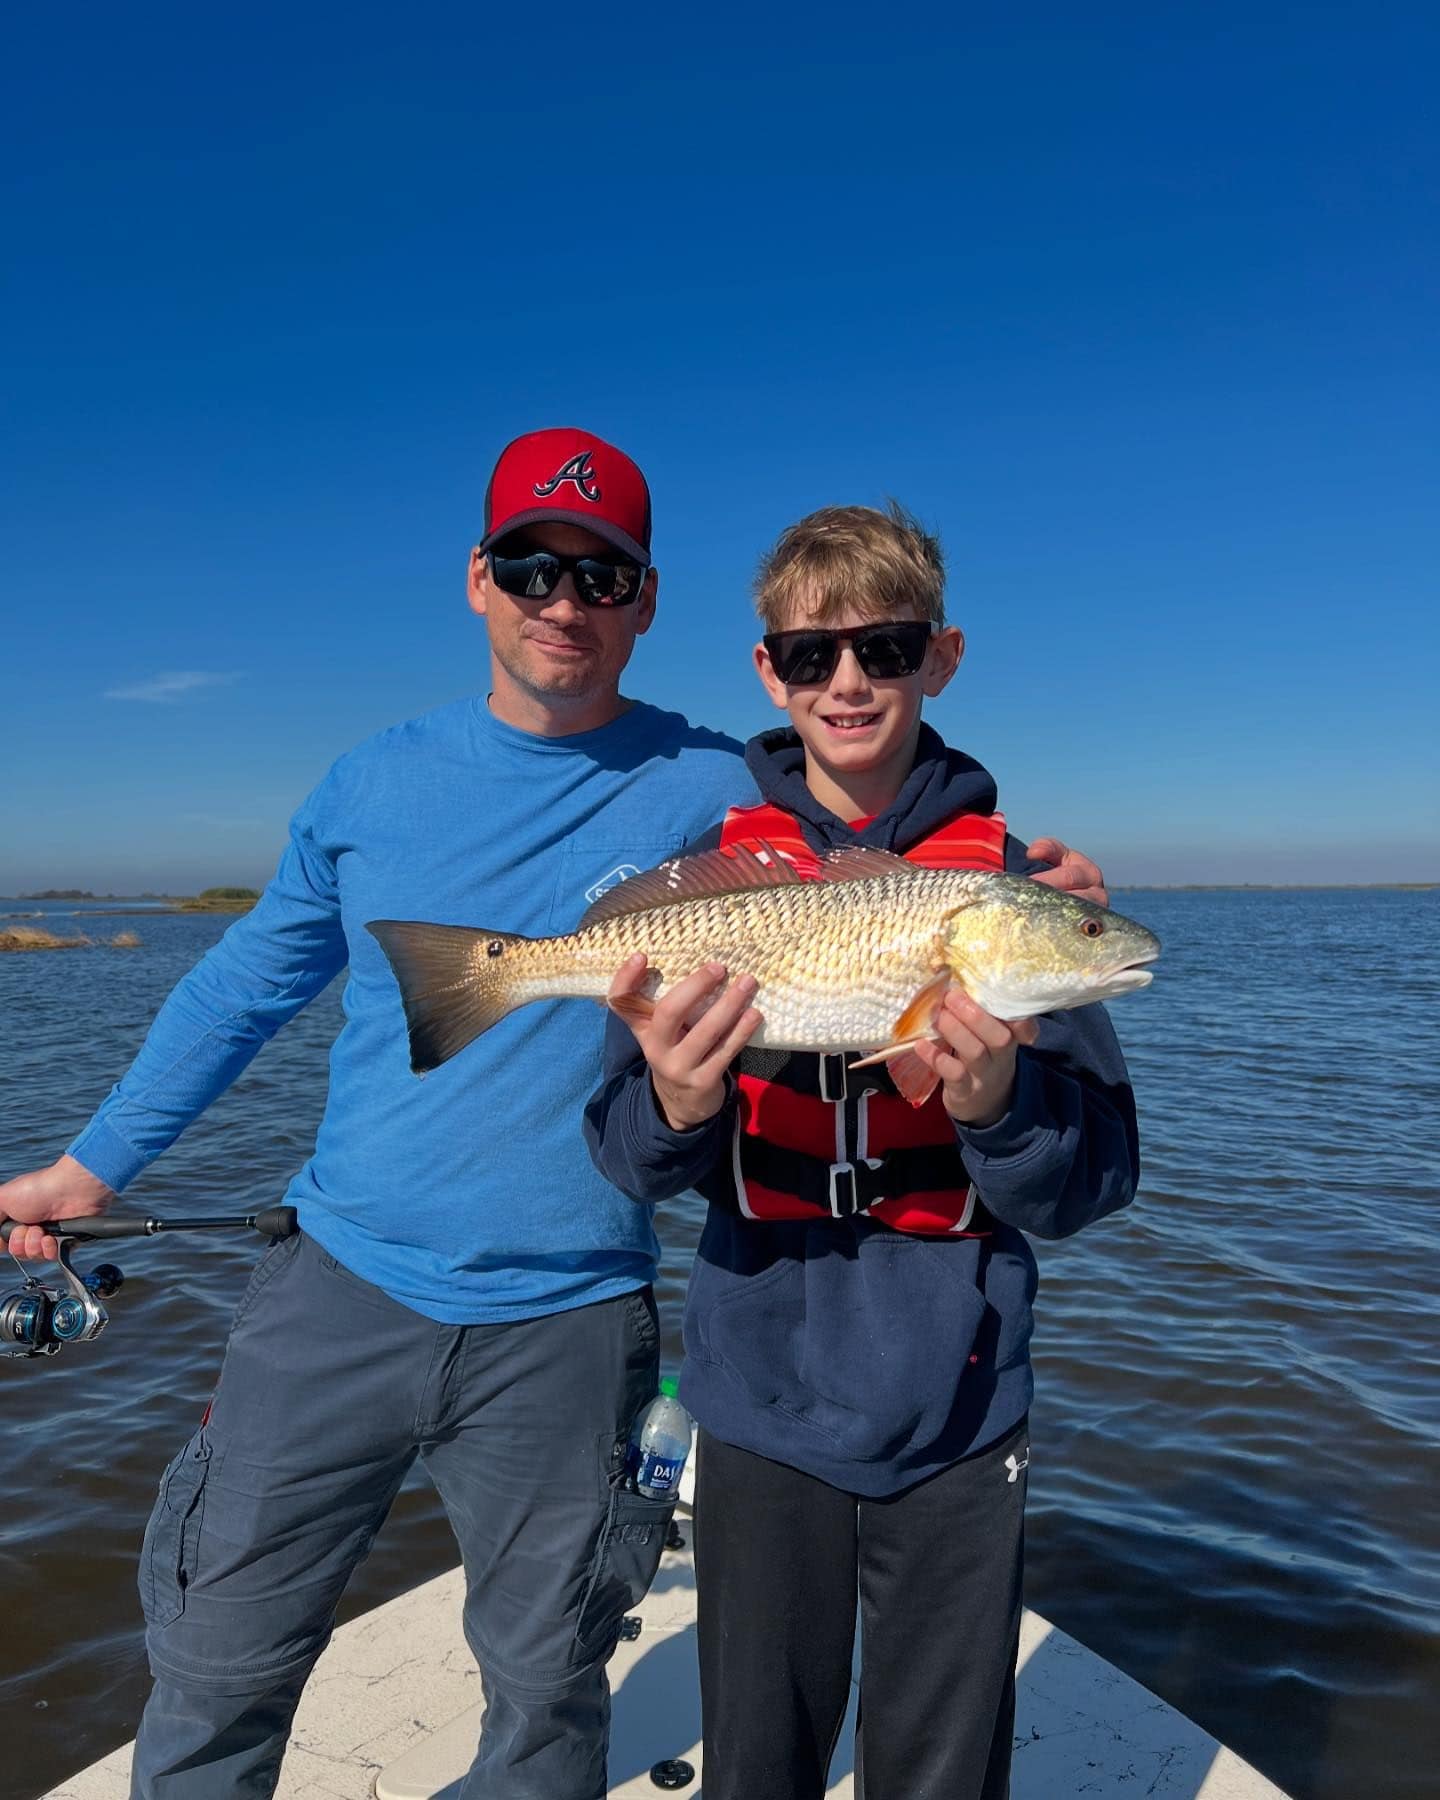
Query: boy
{"points": [[858, 1317]]}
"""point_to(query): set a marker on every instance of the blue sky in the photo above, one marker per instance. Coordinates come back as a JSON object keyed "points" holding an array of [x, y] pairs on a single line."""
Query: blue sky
{"points": [[1136, 305]]}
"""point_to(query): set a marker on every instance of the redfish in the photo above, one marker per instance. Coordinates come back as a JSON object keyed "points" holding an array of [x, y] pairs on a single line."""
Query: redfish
{"points": [[856, 957]]}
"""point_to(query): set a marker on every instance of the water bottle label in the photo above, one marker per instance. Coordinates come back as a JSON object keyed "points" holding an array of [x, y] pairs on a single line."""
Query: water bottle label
{"points": [[658, 1472]]}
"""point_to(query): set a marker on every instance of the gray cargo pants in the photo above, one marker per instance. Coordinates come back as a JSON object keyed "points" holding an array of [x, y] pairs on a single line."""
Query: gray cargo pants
{"points": [[328, 1392]]}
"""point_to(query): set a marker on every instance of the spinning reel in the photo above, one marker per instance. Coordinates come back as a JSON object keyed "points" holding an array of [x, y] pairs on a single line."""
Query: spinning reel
{"points": [[40, 1317]]}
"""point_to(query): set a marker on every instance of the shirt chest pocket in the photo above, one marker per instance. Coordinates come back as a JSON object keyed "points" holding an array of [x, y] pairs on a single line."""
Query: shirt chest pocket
{"points": [[589, 868]]}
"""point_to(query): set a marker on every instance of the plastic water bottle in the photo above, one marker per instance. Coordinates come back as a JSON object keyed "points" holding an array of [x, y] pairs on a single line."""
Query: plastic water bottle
{"points": [[659, 1444]]}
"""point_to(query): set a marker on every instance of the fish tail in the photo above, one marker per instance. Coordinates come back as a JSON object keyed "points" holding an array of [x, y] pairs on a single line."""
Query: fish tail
{"points": [[455, 982]]}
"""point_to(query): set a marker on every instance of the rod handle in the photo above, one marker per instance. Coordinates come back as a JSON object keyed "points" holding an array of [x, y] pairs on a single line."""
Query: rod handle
{"points": [[272, 1221], [99, 1225]]}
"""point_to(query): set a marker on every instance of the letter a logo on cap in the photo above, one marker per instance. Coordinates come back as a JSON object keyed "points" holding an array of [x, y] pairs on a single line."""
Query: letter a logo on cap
{"points": [[594, 486], [577, 469]]}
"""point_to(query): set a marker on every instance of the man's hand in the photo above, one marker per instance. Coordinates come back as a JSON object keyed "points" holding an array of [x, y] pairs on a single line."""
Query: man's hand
{"points": [[689, 1047], [66, 1190], [1075, 873], [976, 1059]]}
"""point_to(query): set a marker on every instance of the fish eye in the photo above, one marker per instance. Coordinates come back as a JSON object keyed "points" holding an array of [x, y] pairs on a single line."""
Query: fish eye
{"points": [[1092, 928], [495, 948]]}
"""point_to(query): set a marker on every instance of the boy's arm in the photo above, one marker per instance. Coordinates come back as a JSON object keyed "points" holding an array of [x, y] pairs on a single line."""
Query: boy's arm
{"points": [[1066, 1152], [268, 965], [1067, 1149], [632, 1142]]}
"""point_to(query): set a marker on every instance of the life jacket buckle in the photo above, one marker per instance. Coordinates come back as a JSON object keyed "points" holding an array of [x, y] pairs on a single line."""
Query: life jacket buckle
{"points": [[834, 1085], [845, 1197]]}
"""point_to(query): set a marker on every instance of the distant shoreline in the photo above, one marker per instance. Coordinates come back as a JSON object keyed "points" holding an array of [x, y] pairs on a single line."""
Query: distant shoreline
{"points": [[168, 909], [102, 906]]}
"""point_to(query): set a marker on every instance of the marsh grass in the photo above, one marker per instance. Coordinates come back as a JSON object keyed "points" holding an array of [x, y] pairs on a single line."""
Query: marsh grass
{"points": [[26, 937], [222, 899]]}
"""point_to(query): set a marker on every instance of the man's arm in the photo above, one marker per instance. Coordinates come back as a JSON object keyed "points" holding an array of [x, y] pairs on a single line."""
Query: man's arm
{"points": [[269, 964], [1073, 872]]}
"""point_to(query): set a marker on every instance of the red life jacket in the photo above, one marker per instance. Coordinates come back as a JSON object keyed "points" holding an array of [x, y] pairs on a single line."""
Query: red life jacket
{"points": [[812, 1135]]}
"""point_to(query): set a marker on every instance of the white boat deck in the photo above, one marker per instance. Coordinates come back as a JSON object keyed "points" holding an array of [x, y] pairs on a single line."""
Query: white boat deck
{"points": [[392, 1711]]}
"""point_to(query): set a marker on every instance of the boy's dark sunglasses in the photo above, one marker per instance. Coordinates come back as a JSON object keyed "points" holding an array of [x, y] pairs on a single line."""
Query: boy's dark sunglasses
{"points": [[598, 581], [884, 652]]}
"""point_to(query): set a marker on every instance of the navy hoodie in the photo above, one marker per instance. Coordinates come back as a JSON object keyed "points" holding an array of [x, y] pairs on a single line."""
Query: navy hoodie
{"points": [[865, 1356]]}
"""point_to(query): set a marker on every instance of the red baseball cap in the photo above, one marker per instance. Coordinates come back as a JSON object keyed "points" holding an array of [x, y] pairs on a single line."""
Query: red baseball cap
{"points": [[574, 478]]}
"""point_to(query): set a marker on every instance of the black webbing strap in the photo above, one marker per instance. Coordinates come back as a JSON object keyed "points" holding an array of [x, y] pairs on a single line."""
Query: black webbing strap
{"points": [[806, 1072], [847, 1188]]}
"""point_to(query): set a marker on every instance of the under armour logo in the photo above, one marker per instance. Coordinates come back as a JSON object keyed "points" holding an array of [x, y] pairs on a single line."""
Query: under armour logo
{"points": [[577, 469], [1015, 1465]]}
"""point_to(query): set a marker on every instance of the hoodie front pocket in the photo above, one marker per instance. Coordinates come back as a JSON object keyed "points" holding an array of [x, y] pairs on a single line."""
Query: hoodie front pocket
{"points": [[863, 1340], [883, 1370], [751, 1327]]}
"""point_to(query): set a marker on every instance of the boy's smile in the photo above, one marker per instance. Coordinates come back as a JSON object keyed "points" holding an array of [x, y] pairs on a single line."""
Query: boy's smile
{"points": [[859, 731]]}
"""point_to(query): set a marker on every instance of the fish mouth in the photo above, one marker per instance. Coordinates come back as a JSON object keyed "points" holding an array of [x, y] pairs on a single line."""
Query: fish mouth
{"points": [[1131, 975], [1126, 981]]}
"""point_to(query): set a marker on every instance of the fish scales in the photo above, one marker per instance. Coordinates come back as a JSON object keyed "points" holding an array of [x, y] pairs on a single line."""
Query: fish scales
{"points": [[836, 962]]}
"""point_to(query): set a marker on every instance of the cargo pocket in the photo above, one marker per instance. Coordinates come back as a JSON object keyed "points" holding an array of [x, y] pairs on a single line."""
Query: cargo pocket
{"points": [[172, 1538], [626, 1559]]}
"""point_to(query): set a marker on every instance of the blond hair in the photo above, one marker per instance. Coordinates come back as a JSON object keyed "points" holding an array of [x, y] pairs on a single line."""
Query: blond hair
{"points": [[851, 559]]}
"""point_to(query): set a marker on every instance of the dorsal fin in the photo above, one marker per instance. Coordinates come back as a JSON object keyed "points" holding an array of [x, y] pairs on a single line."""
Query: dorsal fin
{"points": [[691, 878], [861, 862]]}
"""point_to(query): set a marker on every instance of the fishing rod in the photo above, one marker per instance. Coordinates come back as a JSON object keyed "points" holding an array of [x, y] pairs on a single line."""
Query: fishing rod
{"points": [[39, 1318]]}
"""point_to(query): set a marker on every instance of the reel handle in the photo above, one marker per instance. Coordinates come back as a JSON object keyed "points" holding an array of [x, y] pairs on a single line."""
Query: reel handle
{"points": [[273, 1221]]}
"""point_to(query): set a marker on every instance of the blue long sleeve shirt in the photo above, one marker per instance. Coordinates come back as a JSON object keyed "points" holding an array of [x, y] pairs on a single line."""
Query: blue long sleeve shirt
{"points": [[467, 1195]]}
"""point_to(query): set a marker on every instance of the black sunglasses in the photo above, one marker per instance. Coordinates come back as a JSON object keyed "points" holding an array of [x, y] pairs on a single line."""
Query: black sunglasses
{"points": [[598, 580], [884, 652]]}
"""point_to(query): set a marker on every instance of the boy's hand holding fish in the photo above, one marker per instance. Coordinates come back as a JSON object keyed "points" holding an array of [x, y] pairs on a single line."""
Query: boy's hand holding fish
{"points": [[691, 1038], [975, 1058]]}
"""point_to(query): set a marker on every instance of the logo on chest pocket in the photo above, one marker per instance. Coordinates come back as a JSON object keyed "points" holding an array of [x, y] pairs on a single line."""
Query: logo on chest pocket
{"points": [[622, 872]]}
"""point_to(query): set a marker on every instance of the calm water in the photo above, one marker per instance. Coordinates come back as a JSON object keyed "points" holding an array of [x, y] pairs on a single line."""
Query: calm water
{"points": [[1233, 1493]]}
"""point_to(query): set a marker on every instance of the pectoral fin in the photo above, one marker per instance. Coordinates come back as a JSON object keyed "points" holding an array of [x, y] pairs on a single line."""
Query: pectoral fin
{"points": [[914, 1026], [634, 1009], [912, 1078]]}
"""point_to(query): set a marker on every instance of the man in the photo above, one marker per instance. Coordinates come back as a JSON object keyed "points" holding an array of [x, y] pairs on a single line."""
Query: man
{"points": [[464, 1287]]}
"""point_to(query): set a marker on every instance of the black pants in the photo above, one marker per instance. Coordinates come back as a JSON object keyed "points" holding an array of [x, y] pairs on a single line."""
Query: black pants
{"points": [[781, 1558]]}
